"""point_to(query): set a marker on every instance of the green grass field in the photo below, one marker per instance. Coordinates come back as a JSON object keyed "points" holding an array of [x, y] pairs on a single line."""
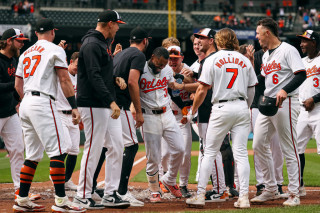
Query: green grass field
{"points": [[42, 173]]}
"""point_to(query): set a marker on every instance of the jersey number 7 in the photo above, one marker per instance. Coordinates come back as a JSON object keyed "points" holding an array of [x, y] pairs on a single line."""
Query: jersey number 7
{"points": [[235, 75], [27, 63]]}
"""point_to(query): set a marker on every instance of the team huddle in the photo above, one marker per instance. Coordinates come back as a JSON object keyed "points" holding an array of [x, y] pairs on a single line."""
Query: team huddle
{"points": [[228, 92]]}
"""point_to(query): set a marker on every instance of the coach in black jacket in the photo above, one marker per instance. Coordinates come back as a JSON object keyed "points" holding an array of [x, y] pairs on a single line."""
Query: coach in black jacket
{"points": [[99, 113]]}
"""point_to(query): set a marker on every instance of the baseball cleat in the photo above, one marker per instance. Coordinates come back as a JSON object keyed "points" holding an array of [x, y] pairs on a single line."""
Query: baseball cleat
{"points": [[114, 201], [163, 188], [213, 196], [232, 192], [32, 197], [260, 189], [62, 205], [302, 191], [175, 191], [293, 200], [96, 197], [70, 186], [196, 201], [242, 202], [23, 204], [131, 199], [87, 203], [155, 197], [184, 191], [265, 196]]}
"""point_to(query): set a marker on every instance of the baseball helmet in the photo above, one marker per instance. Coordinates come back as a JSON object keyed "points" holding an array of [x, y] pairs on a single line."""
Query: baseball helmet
{"points": [[267, 106]]}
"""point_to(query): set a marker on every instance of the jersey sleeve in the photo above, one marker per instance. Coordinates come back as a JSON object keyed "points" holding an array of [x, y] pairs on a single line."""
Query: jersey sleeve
{"points": [[60, 61], [170, 74], [294, 60], [206, 76], [138, 62], [19, 72]]}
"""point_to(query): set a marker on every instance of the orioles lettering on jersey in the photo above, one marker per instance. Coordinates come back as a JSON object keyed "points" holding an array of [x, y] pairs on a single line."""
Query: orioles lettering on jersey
{"points": [[272, 67], [150, 86], [313, 71], [232, 61], [11, 70]]}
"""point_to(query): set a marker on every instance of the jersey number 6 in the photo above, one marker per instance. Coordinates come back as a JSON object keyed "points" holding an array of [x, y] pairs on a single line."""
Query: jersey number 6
{"points": [[27, 63]]}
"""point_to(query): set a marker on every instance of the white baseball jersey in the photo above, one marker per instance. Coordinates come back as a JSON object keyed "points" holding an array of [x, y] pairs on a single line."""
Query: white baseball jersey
{"points": [[185, 95], [154, 88], [279, 68], [61, 101], [230, 74], [37, 68], [195, 66], [310, 86]]}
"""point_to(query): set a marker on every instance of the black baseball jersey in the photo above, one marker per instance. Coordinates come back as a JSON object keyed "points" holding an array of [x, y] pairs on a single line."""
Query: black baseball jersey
{"points": [[260, 87], [205, 108], [130, 58], [8, 68]]}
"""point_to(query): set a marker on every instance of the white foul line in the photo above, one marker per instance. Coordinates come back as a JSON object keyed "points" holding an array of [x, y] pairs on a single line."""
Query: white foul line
{"points": [[134, 164]]}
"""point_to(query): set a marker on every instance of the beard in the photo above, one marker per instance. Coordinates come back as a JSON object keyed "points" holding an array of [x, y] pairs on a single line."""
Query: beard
{"points": [[15, 51], [153, 67]]}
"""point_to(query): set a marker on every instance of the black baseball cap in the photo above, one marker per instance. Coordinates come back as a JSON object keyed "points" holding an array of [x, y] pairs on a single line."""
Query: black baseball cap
{"points": [[44, 25], [14, 34], [310, 35], [110, 15], [138, 34], [205, 32]]}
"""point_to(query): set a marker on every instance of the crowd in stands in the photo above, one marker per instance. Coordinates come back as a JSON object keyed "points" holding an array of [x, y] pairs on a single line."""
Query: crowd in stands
{"points": [[310, 18], [22, 8]]}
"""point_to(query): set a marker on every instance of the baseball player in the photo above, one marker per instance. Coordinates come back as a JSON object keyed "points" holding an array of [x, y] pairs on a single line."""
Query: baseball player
{"points": [[232, 78], [129, 65], [274, 143], [309, 96], [71, 131], [99, 113], [10, 128], [284, 72], [207, 45], [39, 68], [159, 122]]}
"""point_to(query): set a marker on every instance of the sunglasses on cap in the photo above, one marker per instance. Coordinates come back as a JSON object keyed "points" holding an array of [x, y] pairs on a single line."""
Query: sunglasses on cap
{"points": [[19, 37], [175, 53]]}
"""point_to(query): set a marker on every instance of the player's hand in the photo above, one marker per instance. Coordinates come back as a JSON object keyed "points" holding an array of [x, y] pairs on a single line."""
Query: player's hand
{"points": [[250, 52], [139, 119], [121, 83], [308, 104], [186, 72], [115, 110], [63, 44], [281, 96], [192, 96], [189, 117], [117, 49], [75, 116]]}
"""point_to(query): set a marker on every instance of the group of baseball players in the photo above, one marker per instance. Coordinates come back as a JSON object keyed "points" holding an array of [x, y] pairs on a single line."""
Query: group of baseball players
{"points": [[228, 91]]}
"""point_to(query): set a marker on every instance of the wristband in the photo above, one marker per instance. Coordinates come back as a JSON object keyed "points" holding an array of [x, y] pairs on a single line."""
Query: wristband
{"points": [[179, 76], [72, 102]]}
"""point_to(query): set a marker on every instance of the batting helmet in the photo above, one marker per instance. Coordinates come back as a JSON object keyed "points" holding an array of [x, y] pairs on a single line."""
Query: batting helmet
{"points": [[267, 106]]}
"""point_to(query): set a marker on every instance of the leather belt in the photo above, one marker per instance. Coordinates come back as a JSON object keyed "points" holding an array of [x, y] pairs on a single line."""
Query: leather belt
{"points": [[67, 112], [156, 111], [240, 98], [37, 93]]}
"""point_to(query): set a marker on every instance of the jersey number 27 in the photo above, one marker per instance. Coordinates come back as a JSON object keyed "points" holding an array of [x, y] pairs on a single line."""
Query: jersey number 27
{"points": [[27, 63]]}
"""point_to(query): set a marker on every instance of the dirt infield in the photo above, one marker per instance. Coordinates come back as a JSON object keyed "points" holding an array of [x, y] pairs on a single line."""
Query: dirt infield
{"points": [[140, 191]]}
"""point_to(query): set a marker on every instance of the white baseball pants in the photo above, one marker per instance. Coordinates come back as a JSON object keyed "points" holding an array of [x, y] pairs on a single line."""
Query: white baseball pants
{"points": [[100, 130], [284, 123], [11, 133], [154, 128], [230, 116]]}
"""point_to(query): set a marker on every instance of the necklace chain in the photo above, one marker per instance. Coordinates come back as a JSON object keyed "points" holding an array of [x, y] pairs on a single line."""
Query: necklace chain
{"points": [[310, 60]]}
